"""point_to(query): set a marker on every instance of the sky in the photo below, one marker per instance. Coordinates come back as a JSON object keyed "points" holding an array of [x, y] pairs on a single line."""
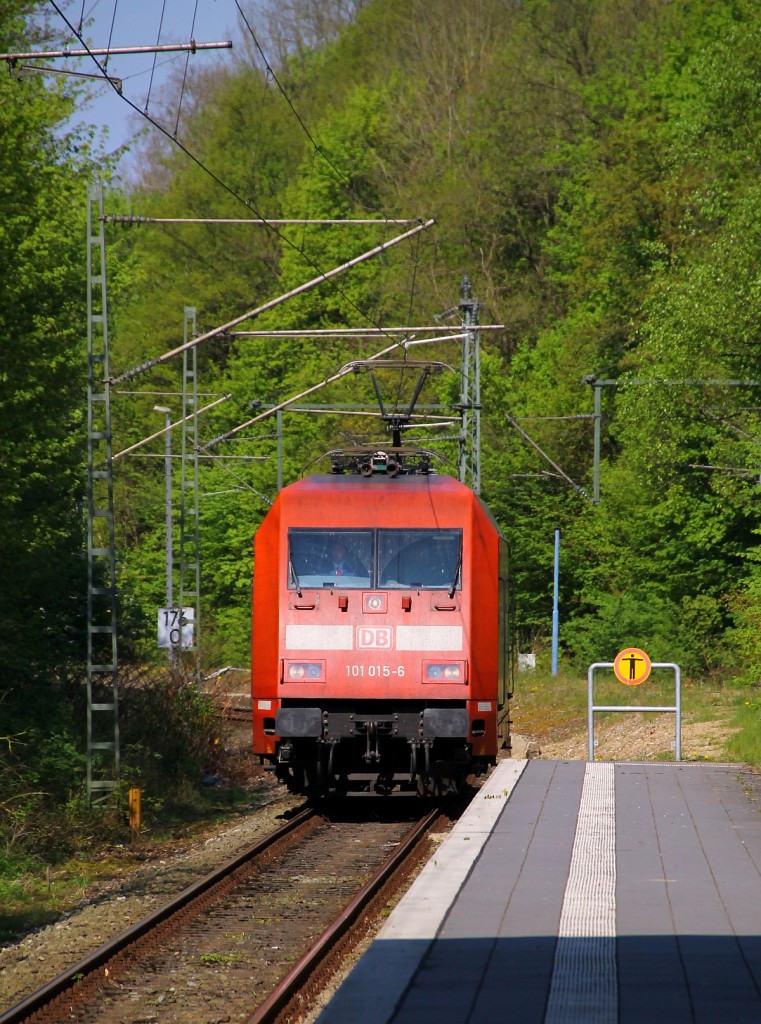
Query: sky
{"points": [[136, 23]]}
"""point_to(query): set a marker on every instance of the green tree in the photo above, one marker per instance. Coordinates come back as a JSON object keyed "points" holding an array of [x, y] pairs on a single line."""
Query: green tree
{"points": [[44, 171]]}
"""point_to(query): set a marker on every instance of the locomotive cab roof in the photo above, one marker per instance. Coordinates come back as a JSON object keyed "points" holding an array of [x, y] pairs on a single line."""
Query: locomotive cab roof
{"points": [[345, 499]]}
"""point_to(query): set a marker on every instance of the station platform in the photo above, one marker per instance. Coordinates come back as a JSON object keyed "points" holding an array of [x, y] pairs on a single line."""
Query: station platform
{"points": [[579, 893]]}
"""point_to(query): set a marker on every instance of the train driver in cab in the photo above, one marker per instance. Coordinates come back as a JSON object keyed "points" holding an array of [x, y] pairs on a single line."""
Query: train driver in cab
{"points": [[341, 562]]}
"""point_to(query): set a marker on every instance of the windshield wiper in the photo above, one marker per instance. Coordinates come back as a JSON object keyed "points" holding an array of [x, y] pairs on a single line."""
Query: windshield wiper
{"points": [[294, 575], [456, 572]]}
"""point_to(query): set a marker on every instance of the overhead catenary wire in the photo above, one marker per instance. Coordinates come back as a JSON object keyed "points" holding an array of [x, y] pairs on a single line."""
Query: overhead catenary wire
{"points": [[166, 394], [733, 426], [544, 455], [328, 411], [324, 276], [185, 72], [161, 455], [226, 469], [570, 416], [110, 30], [364, 332], [202, 166], [271, 72], [751, 473], [153, 67], [307, 198], [415, 265], [257, 135], [349, 368]]}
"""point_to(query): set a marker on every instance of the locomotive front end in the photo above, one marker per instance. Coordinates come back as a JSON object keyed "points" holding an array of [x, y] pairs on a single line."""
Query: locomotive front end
{"points": [[380, 659]]}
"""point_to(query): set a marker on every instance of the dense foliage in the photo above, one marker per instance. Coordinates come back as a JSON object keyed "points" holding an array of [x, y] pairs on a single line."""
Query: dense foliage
{"points": [[592, 166], [42, 443], [45, 166]]}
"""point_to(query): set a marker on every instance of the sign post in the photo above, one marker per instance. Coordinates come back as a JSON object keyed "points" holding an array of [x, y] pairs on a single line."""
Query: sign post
{"points": [[135, 818], [175, 628], [555, 613], [632, 667]]}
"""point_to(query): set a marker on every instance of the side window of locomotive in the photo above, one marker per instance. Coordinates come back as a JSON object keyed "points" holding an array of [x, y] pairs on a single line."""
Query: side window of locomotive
{"points": [[329, 558], [419, 559]]}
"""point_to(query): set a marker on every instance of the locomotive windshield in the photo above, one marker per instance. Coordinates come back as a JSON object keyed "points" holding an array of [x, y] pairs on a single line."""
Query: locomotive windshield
{"points": [[419, 559], [376, 559], [337, 558]]}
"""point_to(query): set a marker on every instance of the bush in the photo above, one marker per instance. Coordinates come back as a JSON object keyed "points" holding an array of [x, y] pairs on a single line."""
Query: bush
{"points": [[170, 737], [745, 605], [170, 733], [688, 634]]}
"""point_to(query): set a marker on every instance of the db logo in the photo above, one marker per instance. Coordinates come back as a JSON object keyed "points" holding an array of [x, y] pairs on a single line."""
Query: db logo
{"points": [[376, 636]]}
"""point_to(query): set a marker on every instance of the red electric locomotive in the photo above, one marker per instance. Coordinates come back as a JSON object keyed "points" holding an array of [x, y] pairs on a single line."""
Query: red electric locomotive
{"points": [[381, 656]]}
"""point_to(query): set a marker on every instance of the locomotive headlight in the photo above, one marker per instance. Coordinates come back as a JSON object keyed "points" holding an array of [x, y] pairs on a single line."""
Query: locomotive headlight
{"points": [[444, 672], [304, 672]]}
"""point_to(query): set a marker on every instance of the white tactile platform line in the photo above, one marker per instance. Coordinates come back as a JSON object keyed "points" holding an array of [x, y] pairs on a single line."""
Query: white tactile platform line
{"points": [[584, 986], [377, 983]]}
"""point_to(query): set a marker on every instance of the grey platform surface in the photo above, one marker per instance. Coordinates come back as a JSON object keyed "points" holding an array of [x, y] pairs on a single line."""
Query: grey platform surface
{"points": [[575, 893]]}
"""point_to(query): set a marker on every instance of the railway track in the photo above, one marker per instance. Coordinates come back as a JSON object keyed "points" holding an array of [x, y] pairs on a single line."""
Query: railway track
{"points": [[253, 940]]}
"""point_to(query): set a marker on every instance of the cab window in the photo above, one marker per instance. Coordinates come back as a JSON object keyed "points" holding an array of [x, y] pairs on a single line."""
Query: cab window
{"points": [[336, 558], [419, 559]]}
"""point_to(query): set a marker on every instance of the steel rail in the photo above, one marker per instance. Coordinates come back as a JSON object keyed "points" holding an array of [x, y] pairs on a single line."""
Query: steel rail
{"points": [[295, 980], [86, 968]]}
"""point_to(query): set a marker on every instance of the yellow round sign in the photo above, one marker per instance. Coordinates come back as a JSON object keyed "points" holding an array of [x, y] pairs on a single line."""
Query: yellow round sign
{"points": [[632, 666]]}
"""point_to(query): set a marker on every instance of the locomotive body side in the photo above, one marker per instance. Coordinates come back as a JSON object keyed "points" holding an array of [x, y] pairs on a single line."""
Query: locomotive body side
{"points": [[391, 669]]}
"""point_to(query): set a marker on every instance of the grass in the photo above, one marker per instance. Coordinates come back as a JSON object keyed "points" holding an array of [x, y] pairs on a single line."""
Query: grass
{"points": [[220, 959], [745, 744], [33, 894], [35, 897]]}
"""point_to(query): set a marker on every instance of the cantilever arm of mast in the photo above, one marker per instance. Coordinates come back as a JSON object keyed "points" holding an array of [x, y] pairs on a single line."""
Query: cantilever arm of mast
{"points": [[160, 433], [16, 70], [136, 218], [129, 374], [577, 487], [454, 333], [109, 51]]}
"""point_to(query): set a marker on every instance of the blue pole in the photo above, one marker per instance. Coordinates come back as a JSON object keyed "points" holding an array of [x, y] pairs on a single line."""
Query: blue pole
{"points": [[555, 605]]}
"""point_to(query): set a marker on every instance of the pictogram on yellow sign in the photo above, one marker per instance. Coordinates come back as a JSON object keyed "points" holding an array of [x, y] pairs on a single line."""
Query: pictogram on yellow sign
{"points": [[632, 666]]}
